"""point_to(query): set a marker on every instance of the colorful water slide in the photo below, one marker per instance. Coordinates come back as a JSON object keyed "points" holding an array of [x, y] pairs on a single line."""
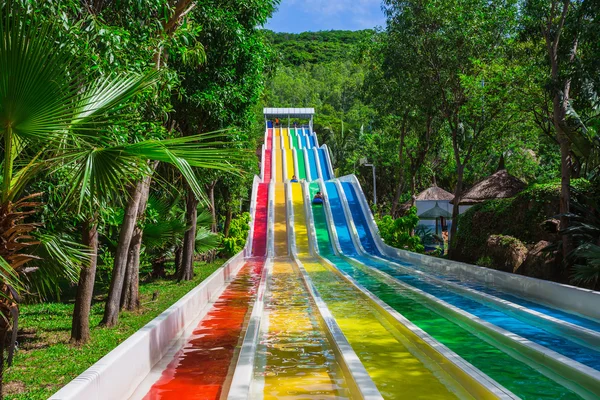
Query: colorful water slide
{"points": [[316, 306]]}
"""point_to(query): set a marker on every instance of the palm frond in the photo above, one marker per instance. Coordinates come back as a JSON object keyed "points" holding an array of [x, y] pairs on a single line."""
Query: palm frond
{"points": [[108, 94], [590, 271], [204, 219], [59, 258], [41, 84], [9, 276], [206, 240], [163, 233]]}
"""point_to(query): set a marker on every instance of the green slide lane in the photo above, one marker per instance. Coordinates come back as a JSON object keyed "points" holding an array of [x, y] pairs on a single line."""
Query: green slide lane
{"points": [[301, 165], [294, 135]]}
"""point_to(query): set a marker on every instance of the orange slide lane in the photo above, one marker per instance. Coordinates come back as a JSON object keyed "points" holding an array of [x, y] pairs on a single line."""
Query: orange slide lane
{"points": [[199, 370]]}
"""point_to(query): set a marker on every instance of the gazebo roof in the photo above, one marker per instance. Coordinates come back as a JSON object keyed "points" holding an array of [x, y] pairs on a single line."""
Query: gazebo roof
{"points": [[435, 212], [435, 193], [499, 185]]}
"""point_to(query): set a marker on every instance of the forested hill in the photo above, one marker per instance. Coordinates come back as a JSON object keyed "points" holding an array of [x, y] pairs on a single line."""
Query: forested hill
{"points": [[316, 47]]}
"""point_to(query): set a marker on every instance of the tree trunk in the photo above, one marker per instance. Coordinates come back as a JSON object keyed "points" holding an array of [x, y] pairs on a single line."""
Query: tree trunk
{"points": [[457, 192], [227, 224], [130, 297], [178, 261], [80, 328], [158, 268], [213, 208], [4, 327], [413, 201], [130, 292], [413, 187], [565, 194], [399, 188], [111, 311], [189, 240]]}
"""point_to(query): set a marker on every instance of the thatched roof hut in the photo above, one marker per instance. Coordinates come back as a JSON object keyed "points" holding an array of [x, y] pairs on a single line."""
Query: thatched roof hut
{"points": [[500, 185], [434, 193]]}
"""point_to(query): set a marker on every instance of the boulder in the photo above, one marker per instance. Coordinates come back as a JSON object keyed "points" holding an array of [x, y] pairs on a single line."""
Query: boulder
{"points": [[539, 263], [506, 252]]}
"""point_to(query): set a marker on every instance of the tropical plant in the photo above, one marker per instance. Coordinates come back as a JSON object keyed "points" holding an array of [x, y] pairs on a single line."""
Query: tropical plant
{"points": [[235, 241], [584, 233], [397, 232], [164, 230]]}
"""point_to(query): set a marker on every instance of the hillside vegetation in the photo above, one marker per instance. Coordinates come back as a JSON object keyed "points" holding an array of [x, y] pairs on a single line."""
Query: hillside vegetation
{"points": [[316, 47]]}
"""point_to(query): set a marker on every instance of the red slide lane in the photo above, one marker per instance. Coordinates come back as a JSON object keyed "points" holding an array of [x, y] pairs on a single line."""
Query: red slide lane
{"points": [[267, 160], [269, 139], [267, 170], [200, 368], [259, 238]]}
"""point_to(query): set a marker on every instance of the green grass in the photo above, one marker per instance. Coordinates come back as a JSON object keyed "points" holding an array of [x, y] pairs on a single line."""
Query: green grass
{"points": [[46, 361]]}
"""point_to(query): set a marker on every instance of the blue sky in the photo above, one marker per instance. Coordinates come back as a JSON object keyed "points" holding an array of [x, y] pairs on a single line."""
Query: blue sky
{"points": [[319, 15]]}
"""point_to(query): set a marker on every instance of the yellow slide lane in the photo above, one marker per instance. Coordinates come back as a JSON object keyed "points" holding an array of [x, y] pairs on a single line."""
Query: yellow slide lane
{"points": [[277, 139], [379, 345], [286, 138], [278, 165], [280, 231], [299, 361], [289, 155]]}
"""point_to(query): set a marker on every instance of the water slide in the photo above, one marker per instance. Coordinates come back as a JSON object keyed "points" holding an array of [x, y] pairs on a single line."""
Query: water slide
{"points": [[317, 306]]}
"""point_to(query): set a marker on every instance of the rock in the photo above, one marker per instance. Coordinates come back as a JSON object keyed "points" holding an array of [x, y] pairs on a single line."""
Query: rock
{"points": [[539, 263], [507, 253], [550, 225]]}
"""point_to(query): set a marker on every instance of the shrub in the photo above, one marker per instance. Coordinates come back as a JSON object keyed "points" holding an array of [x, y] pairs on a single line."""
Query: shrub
{"points": [[238, 232], [396, 232]]}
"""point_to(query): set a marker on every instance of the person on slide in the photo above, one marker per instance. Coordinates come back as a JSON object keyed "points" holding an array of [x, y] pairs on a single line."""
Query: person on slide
{"points": [[294, 179], [318, 199]]}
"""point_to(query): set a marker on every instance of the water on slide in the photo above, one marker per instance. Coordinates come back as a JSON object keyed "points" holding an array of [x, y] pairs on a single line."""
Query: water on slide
{"points": [[291, 171], [324, 164], [295, 358], [313, 164], [301, 164]]}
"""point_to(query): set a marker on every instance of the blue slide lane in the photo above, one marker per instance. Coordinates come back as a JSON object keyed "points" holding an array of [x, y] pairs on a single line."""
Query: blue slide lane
{"points": [[557, 343], [303, 142], [314, 174], [562, 315], [324, 165], [364, 233], [339, 219]]}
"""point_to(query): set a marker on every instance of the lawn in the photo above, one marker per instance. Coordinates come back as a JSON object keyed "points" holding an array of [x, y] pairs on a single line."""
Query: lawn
{"points": [[45, 361]]}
